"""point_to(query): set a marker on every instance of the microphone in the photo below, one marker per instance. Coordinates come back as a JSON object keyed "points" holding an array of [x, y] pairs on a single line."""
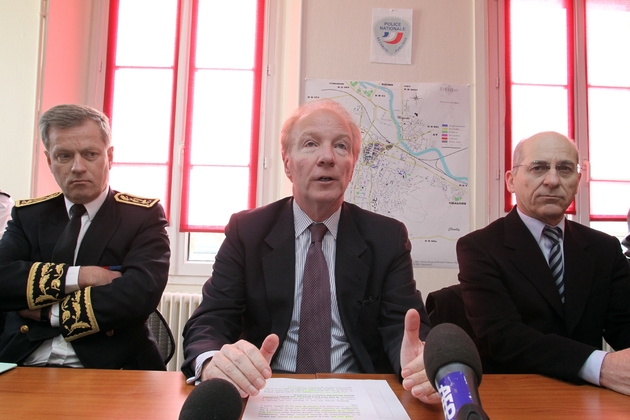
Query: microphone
{"points": [[454, 369], [214, 399]]}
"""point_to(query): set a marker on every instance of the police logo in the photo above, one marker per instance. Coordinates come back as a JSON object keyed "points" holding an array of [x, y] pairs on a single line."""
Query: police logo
{"points": [[392, 34]]}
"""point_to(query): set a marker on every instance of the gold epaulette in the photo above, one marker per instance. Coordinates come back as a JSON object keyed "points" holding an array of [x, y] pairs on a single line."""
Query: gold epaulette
{"points": [[136, 201], [29, 201]]}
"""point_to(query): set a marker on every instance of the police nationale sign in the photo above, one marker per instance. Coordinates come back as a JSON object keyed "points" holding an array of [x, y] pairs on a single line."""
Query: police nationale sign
{"points": [[391, 36]]}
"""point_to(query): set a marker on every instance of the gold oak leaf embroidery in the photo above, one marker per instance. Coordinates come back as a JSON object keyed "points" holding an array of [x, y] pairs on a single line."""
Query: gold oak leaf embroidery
{"points": [[77, 316], [44, 278], [55, 283], [77, 310], [65, 316]]}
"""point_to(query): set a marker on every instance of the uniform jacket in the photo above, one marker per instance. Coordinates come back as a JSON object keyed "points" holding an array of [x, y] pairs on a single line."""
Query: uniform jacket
{"points": [[514, 307], [105, 324], [626, 241], [5, 210], [251, 292]]}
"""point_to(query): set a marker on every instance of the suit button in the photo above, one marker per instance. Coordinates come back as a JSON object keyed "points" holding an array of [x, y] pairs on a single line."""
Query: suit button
{"points": [[109, 333], [24, 329]]}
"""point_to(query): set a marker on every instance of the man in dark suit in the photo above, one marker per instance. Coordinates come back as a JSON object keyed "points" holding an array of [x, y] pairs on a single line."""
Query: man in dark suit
{"points": [[540, 308], [626, 241], [87, 308], [248, 323]]}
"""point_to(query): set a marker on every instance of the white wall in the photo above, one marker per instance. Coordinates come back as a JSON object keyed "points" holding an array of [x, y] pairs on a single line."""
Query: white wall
{"points": [[19, 38], [50, 54], [72, 53], [449, 45]]}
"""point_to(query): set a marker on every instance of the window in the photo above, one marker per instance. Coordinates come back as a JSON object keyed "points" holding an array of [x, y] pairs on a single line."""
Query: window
{"points": [[567, 67], [183, 91], [139, 95]]}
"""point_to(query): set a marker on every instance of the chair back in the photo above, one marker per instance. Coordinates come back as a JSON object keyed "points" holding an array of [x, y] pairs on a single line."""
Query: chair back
{"points": [[163, 335], [447, 305]]}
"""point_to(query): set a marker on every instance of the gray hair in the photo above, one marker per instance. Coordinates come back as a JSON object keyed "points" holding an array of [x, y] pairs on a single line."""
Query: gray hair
{"points": [[518, 155], [308, 108], [70, 115]]}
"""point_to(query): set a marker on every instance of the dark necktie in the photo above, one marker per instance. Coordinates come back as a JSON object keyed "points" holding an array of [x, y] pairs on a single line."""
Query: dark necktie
{"points": [[64, 249], [554, 234], [313, 354]]}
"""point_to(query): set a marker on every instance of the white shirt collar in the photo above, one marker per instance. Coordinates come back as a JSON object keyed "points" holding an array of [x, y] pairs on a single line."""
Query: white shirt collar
{"points": [[92, 207], [535, 226], [302, 221]]}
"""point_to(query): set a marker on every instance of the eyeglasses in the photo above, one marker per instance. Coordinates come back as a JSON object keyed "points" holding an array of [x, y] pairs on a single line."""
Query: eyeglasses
{"points": [[537, 168]]}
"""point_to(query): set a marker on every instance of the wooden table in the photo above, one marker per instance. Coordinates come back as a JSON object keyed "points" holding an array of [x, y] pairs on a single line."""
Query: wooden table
{"points": [[57, 393]]}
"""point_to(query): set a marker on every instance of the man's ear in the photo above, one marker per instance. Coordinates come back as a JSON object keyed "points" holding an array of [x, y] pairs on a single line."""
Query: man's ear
{"points": [[509, 181], [110, 156], [48, 159], [285, 162]]}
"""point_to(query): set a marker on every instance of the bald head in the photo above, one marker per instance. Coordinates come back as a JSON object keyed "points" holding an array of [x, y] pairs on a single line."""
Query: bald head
{"points": [[545, 176], [542, 137]]}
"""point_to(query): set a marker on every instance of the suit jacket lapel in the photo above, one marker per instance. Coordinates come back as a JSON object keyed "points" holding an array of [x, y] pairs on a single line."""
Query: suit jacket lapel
{"points": [[279, 270], [98, 235], [53, 223], [351, 273], [528, 259], [578, 275]]}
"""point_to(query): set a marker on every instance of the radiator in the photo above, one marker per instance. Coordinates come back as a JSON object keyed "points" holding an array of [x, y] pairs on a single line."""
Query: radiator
{"points": [[176, 309]]}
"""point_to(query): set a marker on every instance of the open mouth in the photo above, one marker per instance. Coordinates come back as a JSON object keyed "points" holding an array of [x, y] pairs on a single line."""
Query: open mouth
{"points": [[324, 179]]}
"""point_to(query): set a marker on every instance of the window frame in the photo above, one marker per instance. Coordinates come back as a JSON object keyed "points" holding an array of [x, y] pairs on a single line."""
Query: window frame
{"points": [[570, 86], [108, 99], [499, 113], [257, 71], [186, 272]]}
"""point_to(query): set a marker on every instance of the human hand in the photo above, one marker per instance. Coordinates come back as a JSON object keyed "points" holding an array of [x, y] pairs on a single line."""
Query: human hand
{"points": [[34, 314], [243, 364], [412, 362], [615, 372], [96, 276]]}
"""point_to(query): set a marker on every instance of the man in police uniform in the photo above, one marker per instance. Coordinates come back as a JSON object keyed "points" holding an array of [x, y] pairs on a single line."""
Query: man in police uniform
{"points": [[90, 310], [6, 204]]}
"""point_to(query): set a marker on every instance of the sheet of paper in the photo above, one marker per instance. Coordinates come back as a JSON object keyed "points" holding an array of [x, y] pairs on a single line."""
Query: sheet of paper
{"points": [[325, 399], [6, 366]]}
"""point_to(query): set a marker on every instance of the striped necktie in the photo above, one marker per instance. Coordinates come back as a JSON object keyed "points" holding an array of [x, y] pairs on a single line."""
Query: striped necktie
{"points": [[554, 234]]}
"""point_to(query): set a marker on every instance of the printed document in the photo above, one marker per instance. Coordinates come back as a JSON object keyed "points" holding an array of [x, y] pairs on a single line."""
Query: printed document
{"points": [[325, 399]]}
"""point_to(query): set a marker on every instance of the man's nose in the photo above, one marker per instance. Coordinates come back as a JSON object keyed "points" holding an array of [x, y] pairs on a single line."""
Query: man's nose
{"points": [[326, 154], [552, 177], [78, 164]]}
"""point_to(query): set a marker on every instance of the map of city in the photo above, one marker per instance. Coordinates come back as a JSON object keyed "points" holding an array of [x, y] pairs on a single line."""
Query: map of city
{"points": [[414, 162]]}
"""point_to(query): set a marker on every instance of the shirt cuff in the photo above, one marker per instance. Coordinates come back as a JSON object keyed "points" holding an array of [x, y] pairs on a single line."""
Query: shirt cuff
{"points": [[199, 361], [592, 367], [54, 315], [72, 279]]}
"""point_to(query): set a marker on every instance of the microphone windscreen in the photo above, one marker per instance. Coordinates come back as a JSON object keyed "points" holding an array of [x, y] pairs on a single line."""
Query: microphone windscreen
{"points": [[213, 399], [448, 343]]}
